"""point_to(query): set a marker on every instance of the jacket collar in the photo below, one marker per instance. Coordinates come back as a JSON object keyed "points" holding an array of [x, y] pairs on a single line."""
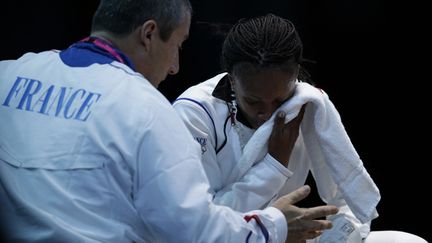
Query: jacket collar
{"points": [[222, 91]]}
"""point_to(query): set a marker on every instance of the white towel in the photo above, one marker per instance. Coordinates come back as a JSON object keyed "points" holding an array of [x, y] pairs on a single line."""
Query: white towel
{"points": [[327, 143]]}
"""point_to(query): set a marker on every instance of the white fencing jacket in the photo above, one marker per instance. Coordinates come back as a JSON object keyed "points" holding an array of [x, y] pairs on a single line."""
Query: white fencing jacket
{"points": [[205, 111], [90, 151]]}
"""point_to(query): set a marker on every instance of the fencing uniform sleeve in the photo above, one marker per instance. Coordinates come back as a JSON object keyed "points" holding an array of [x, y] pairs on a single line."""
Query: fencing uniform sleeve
{"points": [[251, 191], [181, 209]]}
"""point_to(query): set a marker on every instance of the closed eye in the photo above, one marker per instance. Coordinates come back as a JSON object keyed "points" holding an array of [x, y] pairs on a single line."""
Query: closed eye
{"points": [[251, 102]]}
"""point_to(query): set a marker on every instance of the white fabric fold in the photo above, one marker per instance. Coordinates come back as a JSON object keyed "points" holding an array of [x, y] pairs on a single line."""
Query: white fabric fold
{"points": [[327, 144]]}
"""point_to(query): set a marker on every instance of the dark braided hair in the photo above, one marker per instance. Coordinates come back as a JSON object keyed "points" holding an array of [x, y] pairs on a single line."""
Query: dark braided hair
{"points": [[265, 41]]}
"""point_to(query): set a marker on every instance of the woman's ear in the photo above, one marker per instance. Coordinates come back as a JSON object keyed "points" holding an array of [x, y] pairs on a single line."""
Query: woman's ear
{"points": [[231, 80], [148, 31]]}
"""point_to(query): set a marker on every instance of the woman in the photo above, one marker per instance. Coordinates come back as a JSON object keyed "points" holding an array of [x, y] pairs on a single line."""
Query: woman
{"points": [[262, 60]]}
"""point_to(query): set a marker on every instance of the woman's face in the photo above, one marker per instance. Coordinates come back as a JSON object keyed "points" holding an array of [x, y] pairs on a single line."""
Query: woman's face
{"points": [[261, 92]]}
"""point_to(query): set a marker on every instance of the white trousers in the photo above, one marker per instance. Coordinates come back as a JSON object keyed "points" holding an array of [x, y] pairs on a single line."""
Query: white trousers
{"points": [[391, 236], [387, 236]]}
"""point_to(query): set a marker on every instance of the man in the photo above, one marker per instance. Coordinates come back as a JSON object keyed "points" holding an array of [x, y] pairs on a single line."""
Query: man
{"points": [[90, 151]]}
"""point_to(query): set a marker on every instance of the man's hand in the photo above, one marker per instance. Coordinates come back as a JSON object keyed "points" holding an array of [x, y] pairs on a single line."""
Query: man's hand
{"points": [[302, 222]]}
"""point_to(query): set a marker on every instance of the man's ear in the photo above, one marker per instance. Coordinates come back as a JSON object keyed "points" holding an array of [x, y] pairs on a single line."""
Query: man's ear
{"points": [[148, 31]]}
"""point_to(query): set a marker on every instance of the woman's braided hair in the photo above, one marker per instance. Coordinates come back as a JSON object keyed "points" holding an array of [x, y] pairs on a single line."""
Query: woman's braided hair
{"points": [[265, 41]]}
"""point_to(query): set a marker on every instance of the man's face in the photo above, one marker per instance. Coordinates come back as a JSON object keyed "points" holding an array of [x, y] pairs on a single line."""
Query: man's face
{"points": [[166, 53]]}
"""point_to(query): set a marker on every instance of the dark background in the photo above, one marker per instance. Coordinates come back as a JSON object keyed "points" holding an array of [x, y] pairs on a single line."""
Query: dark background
{"points": [[369, 58]]}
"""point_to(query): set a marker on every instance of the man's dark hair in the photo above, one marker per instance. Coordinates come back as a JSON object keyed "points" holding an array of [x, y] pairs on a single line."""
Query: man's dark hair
{"points": [[265, 41], [122, 17]]}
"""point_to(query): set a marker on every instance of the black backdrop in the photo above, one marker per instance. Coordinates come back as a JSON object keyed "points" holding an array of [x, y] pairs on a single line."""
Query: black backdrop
{"points": [[365, 60]]}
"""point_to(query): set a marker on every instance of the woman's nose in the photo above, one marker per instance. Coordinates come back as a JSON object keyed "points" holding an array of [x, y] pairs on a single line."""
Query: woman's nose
{"points": [[264, 116]]}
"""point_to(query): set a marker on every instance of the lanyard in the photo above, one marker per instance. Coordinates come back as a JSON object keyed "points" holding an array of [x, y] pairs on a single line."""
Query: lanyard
{"points": [[105, 46]]}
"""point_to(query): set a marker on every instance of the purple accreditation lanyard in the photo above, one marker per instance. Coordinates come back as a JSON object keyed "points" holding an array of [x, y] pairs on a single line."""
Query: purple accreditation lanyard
{"points": [[105, 46]]}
